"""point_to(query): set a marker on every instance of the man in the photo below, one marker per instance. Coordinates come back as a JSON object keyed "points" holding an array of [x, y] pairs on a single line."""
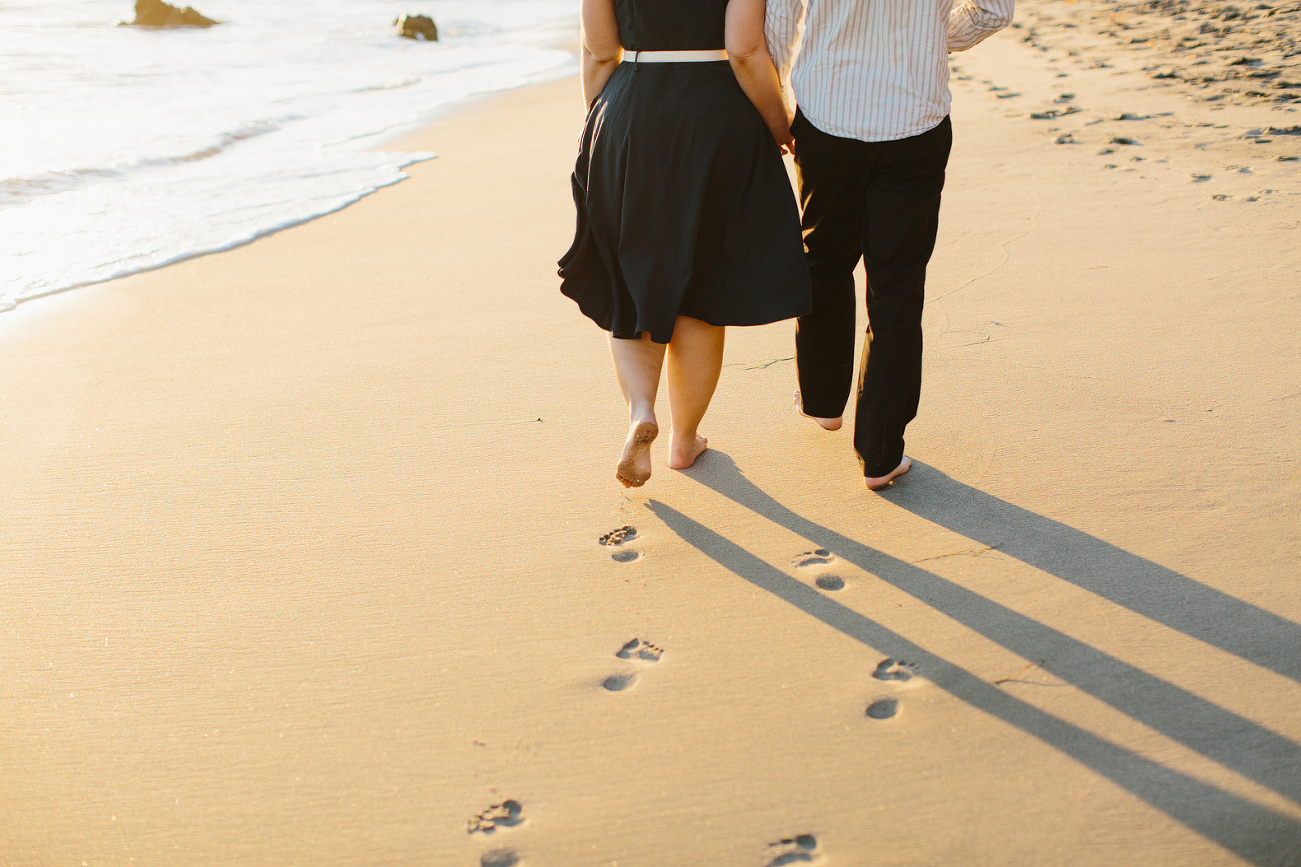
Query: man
{"points": [[872, 138]]}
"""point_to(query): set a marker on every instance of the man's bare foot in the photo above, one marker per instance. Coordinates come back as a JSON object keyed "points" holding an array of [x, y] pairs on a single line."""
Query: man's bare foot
{"points": [[876, 484], [827, 423], [635, 464], [683, 455]]}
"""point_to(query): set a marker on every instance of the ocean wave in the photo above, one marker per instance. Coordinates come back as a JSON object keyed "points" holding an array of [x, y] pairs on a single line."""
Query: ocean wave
{"points": [[395, 84], [19, 191], [143, 149]]}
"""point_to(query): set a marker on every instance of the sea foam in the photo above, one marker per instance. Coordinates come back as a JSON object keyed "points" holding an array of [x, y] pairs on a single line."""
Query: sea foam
{"points": [[127, 149]]}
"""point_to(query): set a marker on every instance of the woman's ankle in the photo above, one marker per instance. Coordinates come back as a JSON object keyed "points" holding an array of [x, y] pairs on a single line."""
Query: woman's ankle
{"points": [[641, 414]]}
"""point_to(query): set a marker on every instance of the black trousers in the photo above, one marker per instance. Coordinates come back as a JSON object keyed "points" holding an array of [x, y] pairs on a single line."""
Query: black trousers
{"points": [[879, 201]]}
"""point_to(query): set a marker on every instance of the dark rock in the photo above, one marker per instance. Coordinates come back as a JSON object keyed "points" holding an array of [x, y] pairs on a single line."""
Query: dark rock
{"points": [[417, 27], [156, 13]]}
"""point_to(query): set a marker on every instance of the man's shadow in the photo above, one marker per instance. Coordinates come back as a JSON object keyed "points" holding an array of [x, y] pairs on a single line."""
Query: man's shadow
{"points": [[1257, 833], [1158, 593]]}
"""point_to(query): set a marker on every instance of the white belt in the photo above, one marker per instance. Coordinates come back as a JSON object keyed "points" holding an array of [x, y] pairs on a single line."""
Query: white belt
{"points": [[674, 56]]}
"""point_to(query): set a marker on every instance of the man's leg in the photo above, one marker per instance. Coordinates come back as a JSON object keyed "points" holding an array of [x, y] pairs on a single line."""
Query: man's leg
{"points": [[902, 213], [832, 177]]}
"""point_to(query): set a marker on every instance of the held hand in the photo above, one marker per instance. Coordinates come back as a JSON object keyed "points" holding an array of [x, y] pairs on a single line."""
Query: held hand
{"points": [[785, 139]]}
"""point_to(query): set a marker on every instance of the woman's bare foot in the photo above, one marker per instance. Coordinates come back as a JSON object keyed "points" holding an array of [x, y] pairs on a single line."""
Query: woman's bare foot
{"points": [[635, 464], [876, 484], [827, 423], [684, 454]]}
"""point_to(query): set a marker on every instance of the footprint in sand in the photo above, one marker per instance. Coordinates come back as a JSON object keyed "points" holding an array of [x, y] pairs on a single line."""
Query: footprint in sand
{"points": [[883, 708], [820, 557], [499, 858], [895, 669], [830, 582], [816, 557], [638, 650], [617, 539], [507, 814], [619, 682], [890, 669], [801, 849]]}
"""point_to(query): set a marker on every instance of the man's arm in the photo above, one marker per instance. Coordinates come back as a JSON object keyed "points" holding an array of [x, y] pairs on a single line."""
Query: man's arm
{"points": [[782, 20], [973, 20]]}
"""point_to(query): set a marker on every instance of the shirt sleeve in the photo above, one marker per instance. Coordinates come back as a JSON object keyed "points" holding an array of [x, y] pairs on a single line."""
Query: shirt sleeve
{"points": [[782, 24], [973, 20]]}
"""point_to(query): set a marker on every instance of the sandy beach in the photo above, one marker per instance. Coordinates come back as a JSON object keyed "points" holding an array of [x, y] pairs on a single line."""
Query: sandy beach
{"points": [[315, 553]]}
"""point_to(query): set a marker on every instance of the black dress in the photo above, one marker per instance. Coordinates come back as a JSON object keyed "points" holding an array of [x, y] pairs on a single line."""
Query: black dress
{"points": [[684, 205]]}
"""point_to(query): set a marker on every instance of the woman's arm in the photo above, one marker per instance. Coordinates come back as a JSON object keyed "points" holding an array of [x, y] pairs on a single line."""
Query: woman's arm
{"points": [[602, 51], [748, 53]]}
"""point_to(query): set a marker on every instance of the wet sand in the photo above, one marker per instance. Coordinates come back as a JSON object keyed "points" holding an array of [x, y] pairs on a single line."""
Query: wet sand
{"points": [[316, 555]]}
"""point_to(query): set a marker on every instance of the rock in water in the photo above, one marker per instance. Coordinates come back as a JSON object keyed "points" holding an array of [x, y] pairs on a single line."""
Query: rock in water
{"points": [[417, 27], [156, 13]]}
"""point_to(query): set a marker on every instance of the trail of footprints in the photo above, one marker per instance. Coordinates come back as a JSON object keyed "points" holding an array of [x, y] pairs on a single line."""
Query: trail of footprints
{"points": [[1108, 139], [889, 670], [798, 849]]}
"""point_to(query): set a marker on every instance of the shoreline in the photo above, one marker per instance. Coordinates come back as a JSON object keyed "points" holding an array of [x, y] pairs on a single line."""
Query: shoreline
{"points": [[65, 247]]}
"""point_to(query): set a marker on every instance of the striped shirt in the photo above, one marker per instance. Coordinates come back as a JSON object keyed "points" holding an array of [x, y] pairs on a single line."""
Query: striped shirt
{"points": [[875, 70]]}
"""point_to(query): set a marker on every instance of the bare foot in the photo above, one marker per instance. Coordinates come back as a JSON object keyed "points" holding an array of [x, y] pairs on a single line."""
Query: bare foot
{"points": [[827, 423], [635, 464], [876, 484], [683, 455]]}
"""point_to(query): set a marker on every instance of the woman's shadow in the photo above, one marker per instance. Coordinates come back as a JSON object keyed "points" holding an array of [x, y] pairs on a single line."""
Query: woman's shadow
{"points": [[1261, 835]]}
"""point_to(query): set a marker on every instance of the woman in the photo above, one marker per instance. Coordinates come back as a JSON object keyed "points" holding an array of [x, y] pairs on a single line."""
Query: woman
{"points": [[686, 219]]}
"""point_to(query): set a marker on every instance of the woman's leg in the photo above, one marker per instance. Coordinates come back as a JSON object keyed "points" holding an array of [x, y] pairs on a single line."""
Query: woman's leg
{"points": [[695, 360], [637, 364]]}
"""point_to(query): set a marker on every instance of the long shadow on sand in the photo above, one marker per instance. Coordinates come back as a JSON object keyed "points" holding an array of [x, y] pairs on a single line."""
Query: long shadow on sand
{"points": [[1144, 587], [1254, 832]]}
